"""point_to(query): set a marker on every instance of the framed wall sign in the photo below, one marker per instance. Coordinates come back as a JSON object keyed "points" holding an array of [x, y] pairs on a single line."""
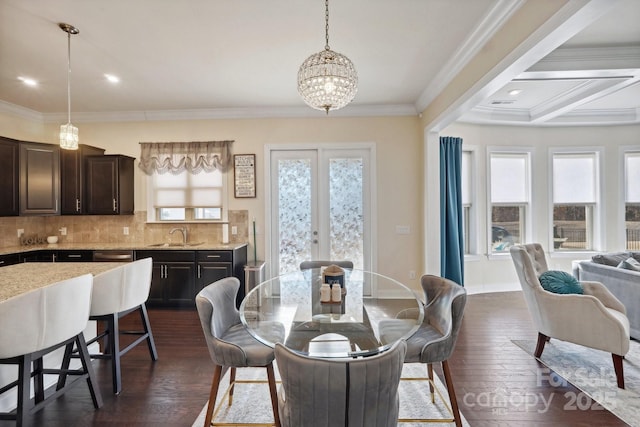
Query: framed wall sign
{"points": [[244, 175]]}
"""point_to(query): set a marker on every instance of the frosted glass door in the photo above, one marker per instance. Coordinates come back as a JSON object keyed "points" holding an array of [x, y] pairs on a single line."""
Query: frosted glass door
{"points": [[320, 207]]}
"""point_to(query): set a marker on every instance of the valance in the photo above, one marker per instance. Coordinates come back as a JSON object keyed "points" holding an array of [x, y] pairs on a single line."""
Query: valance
{"points": [[177, 157]]}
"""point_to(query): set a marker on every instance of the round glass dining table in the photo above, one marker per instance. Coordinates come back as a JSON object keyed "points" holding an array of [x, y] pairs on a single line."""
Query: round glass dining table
{"points": [[288, 309]]}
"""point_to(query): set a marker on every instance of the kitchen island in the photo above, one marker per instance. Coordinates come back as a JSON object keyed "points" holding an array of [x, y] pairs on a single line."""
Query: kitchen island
{"points": [[22, 278]]}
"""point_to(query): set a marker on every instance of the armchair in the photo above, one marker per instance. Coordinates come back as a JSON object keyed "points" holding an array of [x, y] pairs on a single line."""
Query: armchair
{"points": [[595, 319]]}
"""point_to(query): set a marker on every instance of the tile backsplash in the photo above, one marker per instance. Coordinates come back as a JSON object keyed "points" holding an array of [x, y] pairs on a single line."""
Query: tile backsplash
{"points": [[111, 228]]}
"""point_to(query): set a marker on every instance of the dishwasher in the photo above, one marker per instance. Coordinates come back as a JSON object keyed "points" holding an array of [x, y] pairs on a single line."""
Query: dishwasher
{"points": [[113, 256]]}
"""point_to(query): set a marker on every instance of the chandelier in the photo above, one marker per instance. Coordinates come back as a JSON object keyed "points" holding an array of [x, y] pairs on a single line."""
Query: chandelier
{"points": [[327, 80], [68, 132]]}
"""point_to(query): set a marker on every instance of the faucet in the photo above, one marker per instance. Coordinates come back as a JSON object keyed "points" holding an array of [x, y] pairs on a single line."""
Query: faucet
{"points": [[184, 233]]}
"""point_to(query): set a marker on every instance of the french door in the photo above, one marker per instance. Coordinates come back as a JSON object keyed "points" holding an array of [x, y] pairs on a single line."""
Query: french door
{"points": [[320, 206]]}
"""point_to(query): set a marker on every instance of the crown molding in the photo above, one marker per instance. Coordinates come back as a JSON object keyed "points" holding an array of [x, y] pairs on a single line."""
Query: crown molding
{"points": [[353, 110], [22, 112], [581, 117]]}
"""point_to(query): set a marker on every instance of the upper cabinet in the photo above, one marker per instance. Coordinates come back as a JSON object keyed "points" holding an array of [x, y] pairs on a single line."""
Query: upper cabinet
{"points": [[39, 179], [9, 177], [109, 180], [72, 174]]}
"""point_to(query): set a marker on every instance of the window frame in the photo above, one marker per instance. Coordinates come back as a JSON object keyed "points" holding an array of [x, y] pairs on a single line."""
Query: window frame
{"points": [[597, 216], [526, 207], [470, 210], [624, 151]]}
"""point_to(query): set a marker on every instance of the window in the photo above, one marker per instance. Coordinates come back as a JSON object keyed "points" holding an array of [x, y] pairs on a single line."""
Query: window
{"points": [[186, 196], [575, 192], [510, 197], [632, 199], [468, 207], [186, 180]]}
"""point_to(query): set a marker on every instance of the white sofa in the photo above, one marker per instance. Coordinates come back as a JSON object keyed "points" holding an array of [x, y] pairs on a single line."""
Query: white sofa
{"points": [[622, 282]]}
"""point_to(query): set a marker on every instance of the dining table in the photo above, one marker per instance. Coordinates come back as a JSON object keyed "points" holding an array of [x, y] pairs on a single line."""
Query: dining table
{"points": [[358, 325]]}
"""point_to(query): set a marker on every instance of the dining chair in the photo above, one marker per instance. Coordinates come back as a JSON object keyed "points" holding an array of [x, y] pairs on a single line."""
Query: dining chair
{"points": [[117, 293], [352, 392], [435, 339], [306, 265], [35, 324], [231, 345]]}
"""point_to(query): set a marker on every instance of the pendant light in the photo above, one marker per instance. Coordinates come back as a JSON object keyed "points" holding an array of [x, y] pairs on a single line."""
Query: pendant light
{"points": [[327, 80], [68, 132]]}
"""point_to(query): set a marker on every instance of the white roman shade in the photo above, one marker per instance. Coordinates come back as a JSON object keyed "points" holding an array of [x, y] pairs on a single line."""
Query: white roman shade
{"points": [[575, 178], [187, 190], [509, 177], [632, 177]]}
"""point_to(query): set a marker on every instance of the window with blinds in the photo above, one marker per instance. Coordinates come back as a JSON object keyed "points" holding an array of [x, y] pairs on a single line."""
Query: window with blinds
{"points": [[575, 195], [186, 196], [632, 199], [509, 198]]}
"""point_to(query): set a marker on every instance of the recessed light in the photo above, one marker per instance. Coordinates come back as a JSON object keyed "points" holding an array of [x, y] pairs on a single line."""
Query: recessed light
{"points": [[28, 81], [112, 78], [515, 92]]}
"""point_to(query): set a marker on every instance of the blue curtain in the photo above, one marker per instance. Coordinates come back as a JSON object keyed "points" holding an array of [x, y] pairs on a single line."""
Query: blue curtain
{"points": [[451, 225]]}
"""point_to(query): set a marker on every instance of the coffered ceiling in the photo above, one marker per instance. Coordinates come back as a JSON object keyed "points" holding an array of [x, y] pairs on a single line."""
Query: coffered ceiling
{"points": [[224, 58]]}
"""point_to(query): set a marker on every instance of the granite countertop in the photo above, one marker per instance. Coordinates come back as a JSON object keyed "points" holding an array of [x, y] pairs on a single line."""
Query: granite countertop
{"points": [[96, 246], [22, 278]]}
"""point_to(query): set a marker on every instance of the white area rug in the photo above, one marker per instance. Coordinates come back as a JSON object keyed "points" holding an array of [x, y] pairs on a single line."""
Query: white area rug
{"points": [[251, 402], [591, 371]]}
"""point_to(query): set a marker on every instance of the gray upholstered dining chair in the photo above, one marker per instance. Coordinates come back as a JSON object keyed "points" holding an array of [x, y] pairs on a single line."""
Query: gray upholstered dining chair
{"points": [[117, 293], [435, 339], [360, 392], [595, 319], [33, 325], [230, 344], [306, 265]]}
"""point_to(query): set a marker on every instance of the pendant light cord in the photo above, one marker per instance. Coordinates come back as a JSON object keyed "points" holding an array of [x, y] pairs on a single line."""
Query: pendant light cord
{"points": [[68, 77], [326, 26]]}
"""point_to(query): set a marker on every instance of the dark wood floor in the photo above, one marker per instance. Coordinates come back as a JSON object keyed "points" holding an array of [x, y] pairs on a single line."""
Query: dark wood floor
{"points": [[486, 365]]}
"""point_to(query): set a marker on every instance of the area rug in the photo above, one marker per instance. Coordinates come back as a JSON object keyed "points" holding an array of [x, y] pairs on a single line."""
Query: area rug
{"points": [[591, 371], [251, 402]]}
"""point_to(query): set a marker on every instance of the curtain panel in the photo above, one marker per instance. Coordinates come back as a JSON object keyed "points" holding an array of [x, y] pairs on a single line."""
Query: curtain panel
{"points": [[451, 213], [177, 157]]}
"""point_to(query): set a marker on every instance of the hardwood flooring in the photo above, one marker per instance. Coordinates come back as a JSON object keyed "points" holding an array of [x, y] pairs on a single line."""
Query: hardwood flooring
{"points": [[486, 366]]}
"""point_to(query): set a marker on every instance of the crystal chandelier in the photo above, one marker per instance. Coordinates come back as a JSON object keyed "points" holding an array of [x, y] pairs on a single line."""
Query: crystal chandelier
{"points": [[68, 132], [327, 80]]}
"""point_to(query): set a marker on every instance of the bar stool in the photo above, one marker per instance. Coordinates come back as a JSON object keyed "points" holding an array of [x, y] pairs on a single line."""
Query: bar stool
{"points": [[37, 323], [117, 293]]}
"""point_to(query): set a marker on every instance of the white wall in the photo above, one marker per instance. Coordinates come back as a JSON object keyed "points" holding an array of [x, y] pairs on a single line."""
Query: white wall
{"points": [[484, 274]]}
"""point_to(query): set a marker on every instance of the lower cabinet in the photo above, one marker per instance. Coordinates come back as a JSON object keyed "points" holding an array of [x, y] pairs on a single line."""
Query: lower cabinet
{"points": [[9, 259], [173, 278], [178, 276], [216, 265]]}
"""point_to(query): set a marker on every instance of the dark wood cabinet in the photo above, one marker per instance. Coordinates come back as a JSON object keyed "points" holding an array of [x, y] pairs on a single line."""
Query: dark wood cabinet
{"points": [[172, 279], [109, 182], [74, 256], [9, 259], [72, 179], [9, 177], [39, 179], [215, 265]]}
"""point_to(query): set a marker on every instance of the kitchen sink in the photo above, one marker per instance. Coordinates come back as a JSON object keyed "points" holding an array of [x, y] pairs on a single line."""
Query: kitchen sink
{"points": [[174, 245]]}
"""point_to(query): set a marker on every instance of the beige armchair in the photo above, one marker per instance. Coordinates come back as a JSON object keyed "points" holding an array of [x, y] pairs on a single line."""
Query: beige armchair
{"points": [[595, 319]]}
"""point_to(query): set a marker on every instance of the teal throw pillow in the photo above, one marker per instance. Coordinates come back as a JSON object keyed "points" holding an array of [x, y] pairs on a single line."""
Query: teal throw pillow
{"points": [[560, 282]]}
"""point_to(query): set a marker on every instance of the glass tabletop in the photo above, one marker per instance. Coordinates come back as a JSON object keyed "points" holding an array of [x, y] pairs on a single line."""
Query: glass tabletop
{"points": [[288, 309]]}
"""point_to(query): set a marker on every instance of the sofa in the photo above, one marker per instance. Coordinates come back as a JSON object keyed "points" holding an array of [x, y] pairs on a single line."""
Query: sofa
{"points": [[620, 273]]}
